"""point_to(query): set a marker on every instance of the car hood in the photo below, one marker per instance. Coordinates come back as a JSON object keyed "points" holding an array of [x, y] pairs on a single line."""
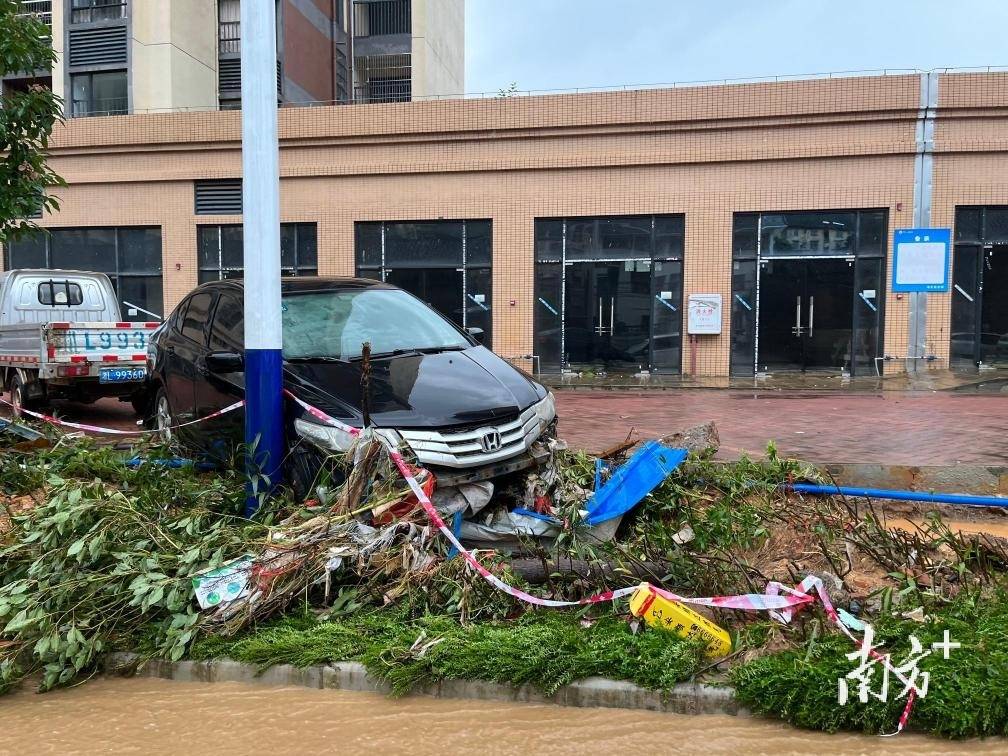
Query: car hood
{"points": [[418, 391]]}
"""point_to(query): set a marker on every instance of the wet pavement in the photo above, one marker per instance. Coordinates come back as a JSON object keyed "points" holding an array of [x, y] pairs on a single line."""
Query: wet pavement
{"points": [[940, 428], [961, 424]]}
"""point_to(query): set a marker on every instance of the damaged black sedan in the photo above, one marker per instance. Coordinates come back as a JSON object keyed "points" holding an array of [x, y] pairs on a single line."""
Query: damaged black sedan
{"points": [[466, 414]]}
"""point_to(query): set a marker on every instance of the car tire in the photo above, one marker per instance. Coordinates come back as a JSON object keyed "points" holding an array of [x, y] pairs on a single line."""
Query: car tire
{"points": [[162, 418], [19, 396]]}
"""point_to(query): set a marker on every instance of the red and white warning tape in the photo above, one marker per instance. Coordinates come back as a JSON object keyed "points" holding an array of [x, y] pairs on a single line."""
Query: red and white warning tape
{"points": [[780, 600], [116, 431]]}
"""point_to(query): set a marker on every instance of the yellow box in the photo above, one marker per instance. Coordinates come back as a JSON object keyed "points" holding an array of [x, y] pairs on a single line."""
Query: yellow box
{"points": [[658, 611]]}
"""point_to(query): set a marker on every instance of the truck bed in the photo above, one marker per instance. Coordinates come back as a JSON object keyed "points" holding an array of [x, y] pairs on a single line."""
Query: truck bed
{"points": [[89, 346]]}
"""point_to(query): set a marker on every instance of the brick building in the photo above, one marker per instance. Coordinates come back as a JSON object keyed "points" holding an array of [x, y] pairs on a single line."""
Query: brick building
{"points": [[574, 227]]}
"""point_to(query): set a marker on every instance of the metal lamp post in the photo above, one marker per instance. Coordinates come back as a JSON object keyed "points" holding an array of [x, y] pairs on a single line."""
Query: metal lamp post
{"points": [[261, 228]]}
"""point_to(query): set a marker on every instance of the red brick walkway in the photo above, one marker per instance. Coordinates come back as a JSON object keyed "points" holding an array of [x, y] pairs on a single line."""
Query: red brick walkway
{"points": [[935, 428], [895, 429]]}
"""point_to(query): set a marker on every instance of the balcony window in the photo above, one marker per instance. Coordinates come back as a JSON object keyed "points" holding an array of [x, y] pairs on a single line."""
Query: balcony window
{"points": [[377, 17], [96, 94], [383, 78], [89, 11], [229, 24], [41, 9]]}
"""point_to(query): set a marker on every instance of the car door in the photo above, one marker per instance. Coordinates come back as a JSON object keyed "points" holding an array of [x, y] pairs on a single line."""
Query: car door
{"points": [[183, 352], [217, 389]]}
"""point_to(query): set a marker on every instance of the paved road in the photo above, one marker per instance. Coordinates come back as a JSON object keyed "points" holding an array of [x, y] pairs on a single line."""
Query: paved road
{"points": [[900, 429]]}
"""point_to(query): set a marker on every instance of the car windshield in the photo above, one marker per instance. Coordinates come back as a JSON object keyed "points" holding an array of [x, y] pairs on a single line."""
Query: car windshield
{"points": [[335, 324]]}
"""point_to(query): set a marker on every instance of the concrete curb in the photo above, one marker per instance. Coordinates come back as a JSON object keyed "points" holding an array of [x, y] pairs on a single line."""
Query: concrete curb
{"points": [[685, 698]]}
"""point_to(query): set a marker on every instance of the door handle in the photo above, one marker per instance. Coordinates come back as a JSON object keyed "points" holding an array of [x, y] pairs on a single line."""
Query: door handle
{"points": [[811, 314], [797, 329], [612, 309]]}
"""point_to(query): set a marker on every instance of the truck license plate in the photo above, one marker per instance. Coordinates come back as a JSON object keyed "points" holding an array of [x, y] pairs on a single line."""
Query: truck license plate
{"points": [[121, 375]]}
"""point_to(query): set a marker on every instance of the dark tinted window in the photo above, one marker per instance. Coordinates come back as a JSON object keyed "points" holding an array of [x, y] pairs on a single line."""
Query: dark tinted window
{"points": [[967, 224], [194, 321], [60, 294], [28, 252], [226, 333], [84, 249]]}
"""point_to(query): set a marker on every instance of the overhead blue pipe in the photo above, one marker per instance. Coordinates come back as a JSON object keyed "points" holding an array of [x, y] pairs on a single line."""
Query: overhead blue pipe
{"points": [[888, 493]]}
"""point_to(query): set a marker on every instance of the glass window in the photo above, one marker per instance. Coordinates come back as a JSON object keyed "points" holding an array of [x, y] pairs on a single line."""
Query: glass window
{"points": [[60, 293], [549, 240], [84, 249], [668, 236], [141, 297], [194, 322], [369, 245], [221, 251], [103, 93], [298, 249], [478, 242], [226, 333], [744, 226], [479, 302], [624, 237], [139, 250], [996, 224], [868, 302], [743, 316], [667, 319], [389, 319], [87, 11], [808, 234], [967, 224], [428, 259], [30, 251], [423, 244], [965, 298], [872, 238]]}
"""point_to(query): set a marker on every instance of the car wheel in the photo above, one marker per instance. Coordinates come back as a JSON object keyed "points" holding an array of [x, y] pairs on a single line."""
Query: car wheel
{"points": [[163, 416], [19, 396]]}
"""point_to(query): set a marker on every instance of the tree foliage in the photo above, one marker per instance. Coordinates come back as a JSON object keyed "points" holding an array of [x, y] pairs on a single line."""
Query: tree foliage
{"points": [[26, 122]]}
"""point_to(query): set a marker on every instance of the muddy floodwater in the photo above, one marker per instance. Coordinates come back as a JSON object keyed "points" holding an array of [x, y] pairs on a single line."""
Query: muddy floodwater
{"points": [[147, 716]]}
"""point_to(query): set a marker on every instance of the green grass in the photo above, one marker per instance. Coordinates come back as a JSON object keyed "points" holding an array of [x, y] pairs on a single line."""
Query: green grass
{"points": [[967, 694], [547, 649]]}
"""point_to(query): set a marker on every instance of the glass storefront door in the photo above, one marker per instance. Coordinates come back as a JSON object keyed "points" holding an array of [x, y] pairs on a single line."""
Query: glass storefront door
{"points": [[806, 315], [808, 291], [980, 307], [608, 316], [608, 294]]}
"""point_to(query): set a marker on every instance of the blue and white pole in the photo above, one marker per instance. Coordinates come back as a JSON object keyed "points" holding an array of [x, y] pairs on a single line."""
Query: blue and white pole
{"points": [[261, 225]]}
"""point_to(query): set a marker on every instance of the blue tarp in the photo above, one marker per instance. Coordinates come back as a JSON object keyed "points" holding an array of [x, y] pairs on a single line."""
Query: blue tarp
{"points": [[629, 484], [632, 481]]}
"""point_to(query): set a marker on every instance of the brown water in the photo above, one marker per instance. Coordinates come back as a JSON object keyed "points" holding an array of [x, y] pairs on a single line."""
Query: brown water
{"points": [[159, 716], [975, 527]]}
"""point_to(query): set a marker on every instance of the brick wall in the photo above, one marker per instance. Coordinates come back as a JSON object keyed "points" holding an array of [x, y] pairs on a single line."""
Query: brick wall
{"points": [[706, 152]]}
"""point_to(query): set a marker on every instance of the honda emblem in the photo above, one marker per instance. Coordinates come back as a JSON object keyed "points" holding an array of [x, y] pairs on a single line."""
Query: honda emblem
{"points": [[491, 441]]}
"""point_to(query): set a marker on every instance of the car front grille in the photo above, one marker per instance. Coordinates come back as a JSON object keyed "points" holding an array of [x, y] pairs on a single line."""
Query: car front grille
{"points": [[467, 447]]}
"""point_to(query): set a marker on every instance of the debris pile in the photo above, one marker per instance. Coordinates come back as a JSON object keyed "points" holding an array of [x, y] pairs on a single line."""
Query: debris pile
{"points": [[99, 550]]}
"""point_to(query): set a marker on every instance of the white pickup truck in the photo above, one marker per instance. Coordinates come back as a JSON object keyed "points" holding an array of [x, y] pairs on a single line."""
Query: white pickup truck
{"points": [[62, 337]]}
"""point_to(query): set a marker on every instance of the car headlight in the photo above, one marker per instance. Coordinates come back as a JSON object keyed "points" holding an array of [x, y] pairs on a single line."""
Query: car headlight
{"points": [[324, 436], [546, 410]]}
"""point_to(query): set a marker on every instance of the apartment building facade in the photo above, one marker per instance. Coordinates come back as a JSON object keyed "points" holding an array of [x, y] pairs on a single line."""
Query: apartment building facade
{"points": [[118, 57], [574, 228]]}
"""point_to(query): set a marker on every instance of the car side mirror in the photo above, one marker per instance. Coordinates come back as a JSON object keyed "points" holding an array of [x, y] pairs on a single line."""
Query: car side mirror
{"points": [[476, 333], [225, 362]]}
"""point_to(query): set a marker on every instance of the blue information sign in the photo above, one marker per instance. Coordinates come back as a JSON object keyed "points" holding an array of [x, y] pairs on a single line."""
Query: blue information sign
{"points": [[921, 259]]}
